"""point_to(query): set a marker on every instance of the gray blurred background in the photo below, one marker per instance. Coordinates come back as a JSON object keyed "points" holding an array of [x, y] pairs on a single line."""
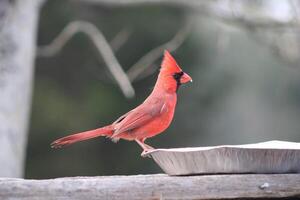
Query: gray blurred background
{"points": [[243, 57]]}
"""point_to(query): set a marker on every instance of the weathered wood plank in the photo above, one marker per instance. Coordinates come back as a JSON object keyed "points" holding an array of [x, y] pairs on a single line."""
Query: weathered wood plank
{"points": [[157, 186]]}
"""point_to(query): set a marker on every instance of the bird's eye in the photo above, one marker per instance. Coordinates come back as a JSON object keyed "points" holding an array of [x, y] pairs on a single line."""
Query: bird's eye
{"points": [[177, 75]]}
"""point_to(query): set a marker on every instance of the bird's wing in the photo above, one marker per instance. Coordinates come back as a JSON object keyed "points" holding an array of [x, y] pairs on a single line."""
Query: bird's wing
{"points": [[139, 116], [121, 118]]}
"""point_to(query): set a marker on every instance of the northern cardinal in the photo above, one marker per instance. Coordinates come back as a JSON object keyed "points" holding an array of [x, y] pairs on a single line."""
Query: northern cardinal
{"points": [[150, 118]]}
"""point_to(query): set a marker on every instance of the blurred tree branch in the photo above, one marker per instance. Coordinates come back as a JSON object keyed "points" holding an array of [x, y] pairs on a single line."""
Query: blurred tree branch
{"points": [[189, 3], [106, 50], [210, 8], [281, 36], [102, 46], [120, 39], [148, 59], [68, 32], [267, 30]]}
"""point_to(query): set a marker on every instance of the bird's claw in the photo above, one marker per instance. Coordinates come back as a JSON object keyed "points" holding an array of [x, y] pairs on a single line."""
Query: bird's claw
{"points": [[146, 152]]}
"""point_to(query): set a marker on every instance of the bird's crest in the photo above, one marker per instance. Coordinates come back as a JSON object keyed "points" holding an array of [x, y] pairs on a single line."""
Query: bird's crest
{"points": [[169, 63]]}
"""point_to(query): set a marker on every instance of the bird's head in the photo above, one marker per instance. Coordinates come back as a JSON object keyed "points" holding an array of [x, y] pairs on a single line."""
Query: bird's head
{"points": [[171, 75]]}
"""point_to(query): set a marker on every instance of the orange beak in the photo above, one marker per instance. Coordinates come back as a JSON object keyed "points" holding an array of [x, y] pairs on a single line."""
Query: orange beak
{"points": [[185, 78]]}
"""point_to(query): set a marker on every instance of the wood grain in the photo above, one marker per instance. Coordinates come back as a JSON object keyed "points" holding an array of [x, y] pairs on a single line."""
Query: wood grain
{"points": [[156, 186]]}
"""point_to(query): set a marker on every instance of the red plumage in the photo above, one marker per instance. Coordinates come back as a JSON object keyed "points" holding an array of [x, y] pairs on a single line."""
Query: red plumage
{"points": [[150, 118]]}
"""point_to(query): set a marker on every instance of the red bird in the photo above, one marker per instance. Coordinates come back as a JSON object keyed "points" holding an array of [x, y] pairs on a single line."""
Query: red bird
{"points": [[150, 118]]}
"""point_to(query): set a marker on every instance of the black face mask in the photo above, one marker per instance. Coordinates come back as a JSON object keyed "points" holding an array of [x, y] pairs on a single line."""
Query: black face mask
{"points": [[177, 76]]}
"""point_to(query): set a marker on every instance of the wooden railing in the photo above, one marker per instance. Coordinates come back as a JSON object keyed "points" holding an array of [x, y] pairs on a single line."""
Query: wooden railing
{"points": [[156, 186]]}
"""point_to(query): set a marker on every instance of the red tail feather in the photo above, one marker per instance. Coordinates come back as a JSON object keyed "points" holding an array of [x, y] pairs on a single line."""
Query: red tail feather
{"points": [[104, 131]]}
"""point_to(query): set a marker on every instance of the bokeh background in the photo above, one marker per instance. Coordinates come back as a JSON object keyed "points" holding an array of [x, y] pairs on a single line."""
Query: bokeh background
{"points": [[245, 70]]}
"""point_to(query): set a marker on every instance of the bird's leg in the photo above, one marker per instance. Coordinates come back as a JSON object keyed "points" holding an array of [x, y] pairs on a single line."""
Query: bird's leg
{"points": [[144, 146], [148, 146]]}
